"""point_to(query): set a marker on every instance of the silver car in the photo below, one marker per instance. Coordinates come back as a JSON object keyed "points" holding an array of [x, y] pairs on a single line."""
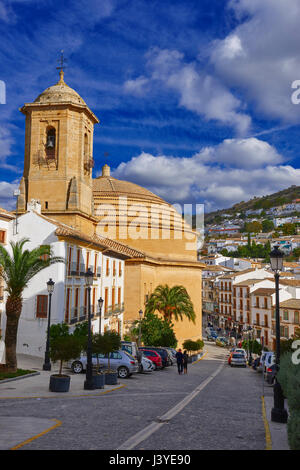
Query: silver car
{"points": [[121, 361], [238, 359]]}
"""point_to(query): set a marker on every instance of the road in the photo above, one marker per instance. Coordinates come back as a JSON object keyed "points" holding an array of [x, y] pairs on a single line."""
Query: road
{"points": [[214, 406]]}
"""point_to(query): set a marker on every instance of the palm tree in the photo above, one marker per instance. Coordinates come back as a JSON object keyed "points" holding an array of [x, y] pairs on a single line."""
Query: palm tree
{"points": [[17, 270], [173, 303]]}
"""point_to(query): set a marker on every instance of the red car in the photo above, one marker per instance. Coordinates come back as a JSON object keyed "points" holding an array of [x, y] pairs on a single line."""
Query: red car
{"points": [[153, 356]]}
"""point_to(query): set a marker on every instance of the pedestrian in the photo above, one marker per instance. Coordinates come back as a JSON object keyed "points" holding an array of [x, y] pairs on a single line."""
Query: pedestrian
{"points": [[185, 361], [179, 358]]}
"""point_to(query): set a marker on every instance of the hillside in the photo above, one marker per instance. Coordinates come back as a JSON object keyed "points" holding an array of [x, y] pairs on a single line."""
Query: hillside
{"points": [[265, 202]]}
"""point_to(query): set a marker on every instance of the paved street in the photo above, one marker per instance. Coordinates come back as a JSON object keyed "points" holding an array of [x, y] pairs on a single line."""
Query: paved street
{"points": [[225, 412]]}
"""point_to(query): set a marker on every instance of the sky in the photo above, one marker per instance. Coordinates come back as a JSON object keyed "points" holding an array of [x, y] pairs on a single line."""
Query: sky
{"points": [[194, 98]]}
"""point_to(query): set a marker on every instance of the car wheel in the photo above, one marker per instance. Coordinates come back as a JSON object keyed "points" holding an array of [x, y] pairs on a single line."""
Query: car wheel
{"points": [[155, 366], [77, 367], [123, 372]]}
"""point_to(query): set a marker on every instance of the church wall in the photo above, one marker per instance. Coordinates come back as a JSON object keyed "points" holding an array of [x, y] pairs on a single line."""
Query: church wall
{"points": [[142, 279]]}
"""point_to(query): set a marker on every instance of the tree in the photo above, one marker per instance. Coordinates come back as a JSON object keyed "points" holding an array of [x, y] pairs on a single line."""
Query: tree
{"points": [[156, 331], [17, 271], [107, 343], [267, 226], [64, 348], [288, 229], [253, 227], [172, 303]]}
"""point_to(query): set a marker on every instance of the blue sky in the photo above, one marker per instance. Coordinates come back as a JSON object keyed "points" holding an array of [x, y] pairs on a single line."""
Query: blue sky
{"points": [[194, 98]]}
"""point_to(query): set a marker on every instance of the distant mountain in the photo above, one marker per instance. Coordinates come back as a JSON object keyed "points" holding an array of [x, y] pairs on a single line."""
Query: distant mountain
{"points": [[265, 202]]}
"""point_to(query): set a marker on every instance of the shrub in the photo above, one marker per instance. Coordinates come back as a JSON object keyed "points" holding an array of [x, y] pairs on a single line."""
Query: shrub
{"points": [[289, 379]]}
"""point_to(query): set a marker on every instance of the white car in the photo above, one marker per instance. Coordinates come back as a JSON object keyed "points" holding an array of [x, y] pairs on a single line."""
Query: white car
{"points": [[146, 365], [238, 360], [240, 351]]}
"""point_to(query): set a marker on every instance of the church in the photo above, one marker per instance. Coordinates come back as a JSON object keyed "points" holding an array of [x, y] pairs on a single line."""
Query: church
{"points": [[58, 173]]}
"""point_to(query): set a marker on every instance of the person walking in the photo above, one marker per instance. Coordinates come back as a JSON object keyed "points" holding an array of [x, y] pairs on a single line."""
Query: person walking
{"points": [[185, 361], [179, 358]]}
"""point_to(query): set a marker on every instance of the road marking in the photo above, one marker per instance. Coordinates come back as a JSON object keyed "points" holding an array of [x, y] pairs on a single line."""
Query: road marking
{"points": [[267, 428], [200, 358], [58, 423], [133, 441]]}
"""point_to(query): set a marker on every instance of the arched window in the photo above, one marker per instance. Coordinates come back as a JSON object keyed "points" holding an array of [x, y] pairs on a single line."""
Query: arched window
{"points": [[50, 143]]}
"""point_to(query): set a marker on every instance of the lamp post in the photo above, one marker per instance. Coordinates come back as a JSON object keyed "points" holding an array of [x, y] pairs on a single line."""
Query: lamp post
{"points": [[279, 413], [141, 316], [88, 383], [100, 304], [47, 363]]}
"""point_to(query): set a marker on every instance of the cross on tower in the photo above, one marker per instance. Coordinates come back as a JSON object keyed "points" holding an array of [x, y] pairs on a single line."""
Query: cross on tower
{"points": [[61, 61]]}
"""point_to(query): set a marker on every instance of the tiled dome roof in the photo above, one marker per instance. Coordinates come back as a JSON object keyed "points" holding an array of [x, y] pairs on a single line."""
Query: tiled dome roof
{"points": [[60, 93]]}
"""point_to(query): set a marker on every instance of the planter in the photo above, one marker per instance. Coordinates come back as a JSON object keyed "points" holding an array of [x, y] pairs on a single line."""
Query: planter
{"points": [[59, 383], [99, 380], [111, 378]]}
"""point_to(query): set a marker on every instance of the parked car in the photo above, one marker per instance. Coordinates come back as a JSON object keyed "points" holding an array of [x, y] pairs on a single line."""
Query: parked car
{"points": [[146, 365], [238, 359], [221, 341], [162, 352], [122, 361], [154, 357], [266, 360], [172, 354], [240, 351], [132, 348], [171, 358]]}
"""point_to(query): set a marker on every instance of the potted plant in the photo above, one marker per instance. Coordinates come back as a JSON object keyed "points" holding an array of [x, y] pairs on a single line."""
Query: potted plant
{"points": [[63, 348], [109, 342], [98, 375]]}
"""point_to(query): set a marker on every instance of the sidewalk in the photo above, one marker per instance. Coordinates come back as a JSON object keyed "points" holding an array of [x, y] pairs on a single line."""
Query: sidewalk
{"points": [[277, 439], [16, 429]]}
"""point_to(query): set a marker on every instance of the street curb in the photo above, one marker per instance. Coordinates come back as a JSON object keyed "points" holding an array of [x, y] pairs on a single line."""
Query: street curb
{"points": [[202, 357], [19, 378], [266, 424]]}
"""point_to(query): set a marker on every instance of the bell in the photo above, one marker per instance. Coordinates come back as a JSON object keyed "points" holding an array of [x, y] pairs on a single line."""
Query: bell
{"points": [[50, 142]]}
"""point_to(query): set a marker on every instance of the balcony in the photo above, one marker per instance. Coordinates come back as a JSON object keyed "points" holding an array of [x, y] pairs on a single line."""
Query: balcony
{"points": [[114, 310]]}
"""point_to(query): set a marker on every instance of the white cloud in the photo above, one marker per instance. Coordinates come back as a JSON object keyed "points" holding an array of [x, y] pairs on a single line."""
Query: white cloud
{"points": [[7, 200], [212, 176], [261, 57], [197, 91], [242, 153]]}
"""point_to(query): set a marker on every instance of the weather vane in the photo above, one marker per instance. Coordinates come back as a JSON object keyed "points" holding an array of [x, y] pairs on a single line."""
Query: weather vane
{"points": [[61, 67]]}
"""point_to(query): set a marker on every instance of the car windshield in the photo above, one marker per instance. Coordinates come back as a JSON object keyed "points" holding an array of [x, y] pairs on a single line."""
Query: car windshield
{"points": [[237, 356]]}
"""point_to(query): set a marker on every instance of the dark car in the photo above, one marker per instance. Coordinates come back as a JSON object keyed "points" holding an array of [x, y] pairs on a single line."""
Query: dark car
{"points": [[162, 352]]}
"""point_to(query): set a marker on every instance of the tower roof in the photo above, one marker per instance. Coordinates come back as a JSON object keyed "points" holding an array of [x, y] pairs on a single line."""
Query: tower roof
{"points": [[60, 93]]}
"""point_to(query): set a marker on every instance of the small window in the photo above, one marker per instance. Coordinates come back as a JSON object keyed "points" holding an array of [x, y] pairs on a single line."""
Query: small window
{"points": [[2, 236], [41, 306], [46, 205]]}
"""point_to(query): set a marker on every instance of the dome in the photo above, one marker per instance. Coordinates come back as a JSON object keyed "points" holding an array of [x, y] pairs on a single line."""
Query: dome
{"points": [[106, 185], [130, 213], [60, 93]]}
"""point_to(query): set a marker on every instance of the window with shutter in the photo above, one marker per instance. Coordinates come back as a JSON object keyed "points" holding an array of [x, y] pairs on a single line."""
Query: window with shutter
{"points": [[41, 306]]}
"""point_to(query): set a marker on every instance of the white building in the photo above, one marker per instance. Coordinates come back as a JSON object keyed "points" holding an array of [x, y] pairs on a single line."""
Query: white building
{"points": [[103, 256]]}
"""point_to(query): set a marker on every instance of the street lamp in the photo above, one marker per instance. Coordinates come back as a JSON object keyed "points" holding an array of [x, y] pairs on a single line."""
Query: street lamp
{"points": [[88, 383], [100, 304], [279, 413], [47, 363], [141, 316]]}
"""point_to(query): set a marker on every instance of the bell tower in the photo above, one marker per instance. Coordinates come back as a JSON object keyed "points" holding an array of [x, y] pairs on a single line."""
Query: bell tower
{"points": [[58, 159]]}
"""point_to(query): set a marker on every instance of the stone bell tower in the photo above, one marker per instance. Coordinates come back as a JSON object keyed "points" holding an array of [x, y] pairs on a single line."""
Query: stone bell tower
{"points": [[59, 156]]}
